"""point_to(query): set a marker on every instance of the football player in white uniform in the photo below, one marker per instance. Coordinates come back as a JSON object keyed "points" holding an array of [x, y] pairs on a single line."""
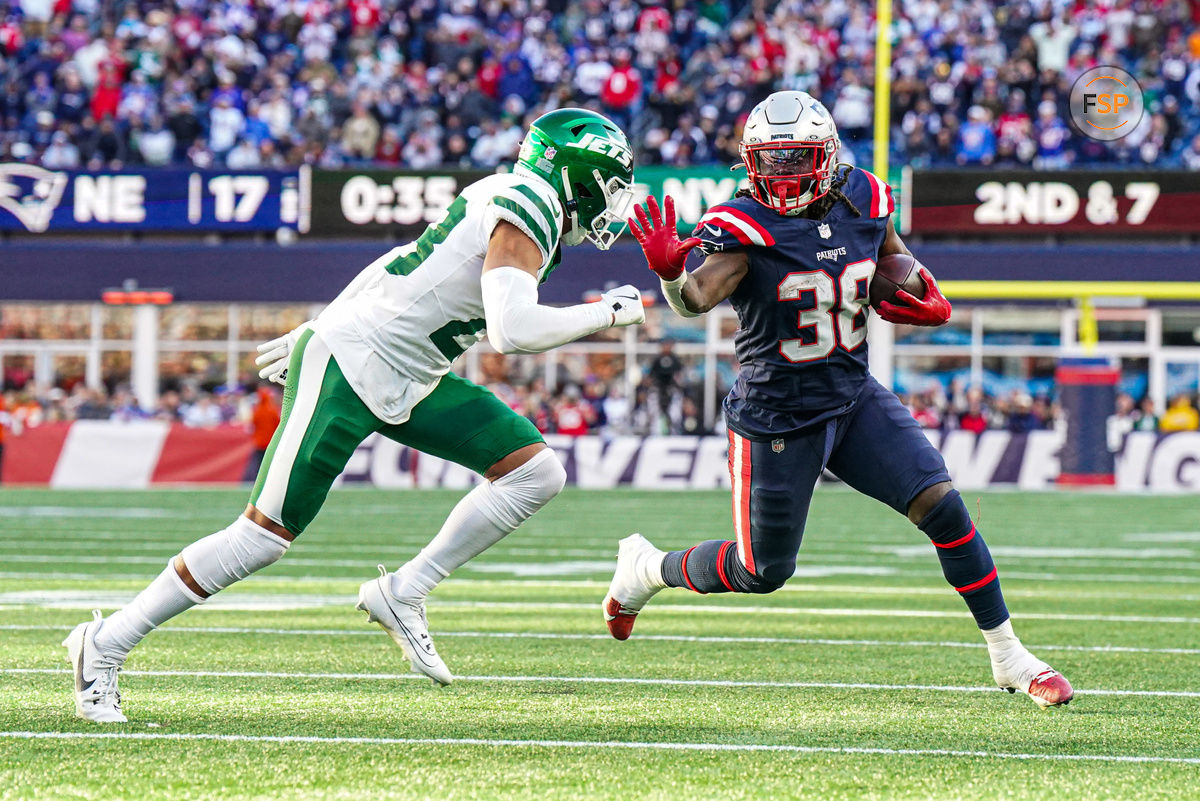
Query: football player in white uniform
{"points": [[377, 359]]}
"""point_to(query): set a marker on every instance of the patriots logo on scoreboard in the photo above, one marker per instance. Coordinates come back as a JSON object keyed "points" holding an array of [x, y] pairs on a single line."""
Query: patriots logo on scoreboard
{"points": [[823, 230], [31, 194]]}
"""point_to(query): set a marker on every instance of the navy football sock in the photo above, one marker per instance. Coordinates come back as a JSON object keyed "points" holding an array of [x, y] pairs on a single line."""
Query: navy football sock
{"points": [[699, 568], [966, 562]]}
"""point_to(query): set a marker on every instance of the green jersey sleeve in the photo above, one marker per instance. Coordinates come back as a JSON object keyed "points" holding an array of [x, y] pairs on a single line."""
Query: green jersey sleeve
{"points": [[531, 207]]}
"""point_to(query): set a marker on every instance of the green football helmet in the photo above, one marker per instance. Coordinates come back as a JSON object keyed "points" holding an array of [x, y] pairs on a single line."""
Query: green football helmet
{"points": [[588, 161]]}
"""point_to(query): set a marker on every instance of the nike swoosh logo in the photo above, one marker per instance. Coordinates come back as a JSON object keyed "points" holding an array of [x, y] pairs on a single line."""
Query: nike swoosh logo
{"points": [[80, 684], [712, 230]]}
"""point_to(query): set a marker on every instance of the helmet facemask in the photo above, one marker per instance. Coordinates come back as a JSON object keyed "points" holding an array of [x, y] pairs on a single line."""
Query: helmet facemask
{"points": [[607, 224], [788, 175]]}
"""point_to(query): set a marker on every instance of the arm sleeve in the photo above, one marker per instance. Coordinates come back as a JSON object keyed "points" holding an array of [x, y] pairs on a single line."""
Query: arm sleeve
{"points": [[517, 323]]}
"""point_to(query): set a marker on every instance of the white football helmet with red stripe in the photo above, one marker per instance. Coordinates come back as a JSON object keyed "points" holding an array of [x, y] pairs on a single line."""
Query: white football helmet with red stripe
{"points": [[789, 147]]}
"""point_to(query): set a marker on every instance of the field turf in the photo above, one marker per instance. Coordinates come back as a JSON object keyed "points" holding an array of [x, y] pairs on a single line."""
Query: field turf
{"points": [[863, 679]]}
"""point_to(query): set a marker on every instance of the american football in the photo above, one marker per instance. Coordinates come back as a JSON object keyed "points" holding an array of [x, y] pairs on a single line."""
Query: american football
{"points": [[894, 272], [600, 400]]}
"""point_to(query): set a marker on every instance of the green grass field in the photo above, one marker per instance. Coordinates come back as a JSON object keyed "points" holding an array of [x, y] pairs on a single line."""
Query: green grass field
{"points": [[863, 679]]}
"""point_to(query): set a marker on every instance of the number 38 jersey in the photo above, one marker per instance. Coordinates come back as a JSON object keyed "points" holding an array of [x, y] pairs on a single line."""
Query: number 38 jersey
{"points": [[802, 307], [398, 326]]}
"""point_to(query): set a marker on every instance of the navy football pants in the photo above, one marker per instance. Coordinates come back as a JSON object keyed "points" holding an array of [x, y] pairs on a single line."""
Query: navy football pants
{"points": [[878, 449]]}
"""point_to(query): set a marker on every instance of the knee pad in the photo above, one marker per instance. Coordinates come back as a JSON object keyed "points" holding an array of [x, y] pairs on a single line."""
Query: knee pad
{"points": [[220, 559], [949, 520], [775, 534], [511, 499], [772, 515]]}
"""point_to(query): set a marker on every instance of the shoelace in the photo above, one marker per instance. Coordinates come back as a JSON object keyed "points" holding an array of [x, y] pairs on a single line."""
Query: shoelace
{"points": [[105, 691]]}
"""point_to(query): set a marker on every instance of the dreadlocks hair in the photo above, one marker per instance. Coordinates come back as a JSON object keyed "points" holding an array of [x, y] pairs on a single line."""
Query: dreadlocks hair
{"points": [[824, 204]]}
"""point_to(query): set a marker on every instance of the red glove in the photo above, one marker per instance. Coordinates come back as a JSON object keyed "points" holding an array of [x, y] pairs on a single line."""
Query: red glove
{"points": [[933, 309], [660, 240]]}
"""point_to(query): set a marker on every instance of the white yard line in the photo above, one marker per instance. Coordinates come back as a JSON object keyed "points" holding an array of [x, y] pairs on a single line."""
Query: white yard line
{"points": [[1073, 578], [819, 611], [524, 635], [589, 744], [802, 685], [252, 601]]}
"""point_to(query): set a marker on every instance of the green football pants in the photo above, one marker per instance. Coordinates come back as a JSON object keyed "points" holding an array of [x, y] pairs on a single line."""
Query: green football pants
{"points": [[324, 420]]}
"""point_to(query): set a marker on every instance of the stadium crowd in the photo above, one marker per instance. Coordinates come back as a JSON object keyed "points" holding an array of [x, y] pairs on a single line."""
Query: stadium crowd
{"points": [[432, 83]]}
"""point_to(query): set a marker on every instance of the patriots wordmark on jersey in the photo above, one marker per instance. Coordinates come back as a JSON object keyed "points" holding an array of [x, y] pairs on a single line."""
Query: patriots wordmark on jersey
{"points": [[802, 307]]}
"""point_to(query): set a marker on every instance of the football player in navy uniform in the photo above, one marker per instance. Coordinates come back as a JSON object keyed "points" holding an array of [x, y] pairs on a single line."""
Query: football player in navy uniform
{"points": [[795, 255]]}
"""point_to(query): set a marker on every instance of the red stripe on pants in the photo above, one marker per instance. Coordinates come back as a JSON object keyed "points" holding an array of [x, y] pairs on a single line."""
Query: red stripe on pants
{"points": [[974, 585], [721, 566], [740, 471], [683, 567], [960, 541]]}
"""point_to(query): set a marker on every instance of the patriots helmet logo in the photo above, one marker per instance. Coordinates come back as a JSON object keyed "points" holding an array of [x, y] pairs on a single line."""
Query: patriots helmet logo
{"points": [[31, 194]]}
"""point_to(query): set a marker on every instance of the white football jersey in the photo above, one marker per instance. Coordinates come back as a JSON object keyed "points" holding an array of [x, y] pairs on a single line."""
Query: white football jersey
{"points": [[398, 326]]}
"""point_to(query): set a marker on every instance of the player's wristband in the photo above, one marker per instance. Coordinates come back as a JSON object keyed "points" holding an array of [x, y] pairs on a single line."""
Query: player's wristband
{"points": [[673, 291]]}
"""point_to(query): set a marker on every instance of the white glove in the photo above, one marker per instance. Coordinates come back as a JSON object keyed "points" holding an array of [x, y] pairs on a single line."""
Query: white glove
{"points": [[625, 302], [274, 355]]}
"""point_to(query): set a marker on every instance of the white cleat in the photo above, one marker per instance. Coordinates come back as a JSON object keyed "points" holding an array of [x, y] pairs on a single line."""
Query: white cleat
{"points": [[96, 695], [1017, 669], [638, 578], [405, 623]]}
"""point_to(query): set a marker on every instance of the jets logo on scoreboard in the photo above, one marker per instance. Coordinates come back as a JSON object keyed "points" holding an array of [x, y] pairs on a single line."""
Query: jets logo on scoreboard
{"points": [[604, 146]]}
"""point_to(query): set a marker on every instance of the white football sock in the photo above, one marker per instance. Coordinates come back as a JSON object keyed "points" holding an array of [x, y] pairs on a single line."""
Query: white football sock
{"points": [[165, 598], [214, 563], [482, 518]]}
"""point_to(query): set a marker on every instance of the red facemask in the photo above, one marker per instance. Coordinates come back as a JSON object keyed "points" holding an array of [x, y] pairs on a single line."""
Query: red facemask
{"points": [[781, 173]]}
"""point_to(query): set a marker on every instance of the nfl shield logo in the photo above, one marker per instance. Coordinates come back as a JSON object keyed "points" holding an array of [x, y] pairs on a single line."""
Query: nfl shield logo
{"points": [[777, 445], [823, 230]]}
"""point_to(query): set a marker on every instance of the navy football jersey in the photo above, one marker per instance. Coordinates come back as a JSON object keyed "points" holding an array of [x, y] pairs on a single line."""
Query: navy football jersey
{"points": [[802, 307]]}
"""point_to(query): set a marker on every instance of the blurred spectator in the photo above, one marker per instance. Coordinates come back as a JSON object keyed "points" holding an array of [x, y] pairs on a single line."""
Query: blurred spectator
{"points": [[1052, 134], [1121, 422], [1147, 419], [974, 417], [155, 146], [924, 412], [977, 142], [203, 413], [225, 125], [572, 416], [62, 154], [360, 134], [622, 90], [1191, 156], [1180, 415], [263, 422]]}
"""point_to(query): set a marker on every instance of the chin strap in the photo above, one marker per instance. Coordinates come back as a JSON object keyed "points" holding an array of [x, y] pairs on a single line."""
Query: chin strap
{"points": [[575, 234]]}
